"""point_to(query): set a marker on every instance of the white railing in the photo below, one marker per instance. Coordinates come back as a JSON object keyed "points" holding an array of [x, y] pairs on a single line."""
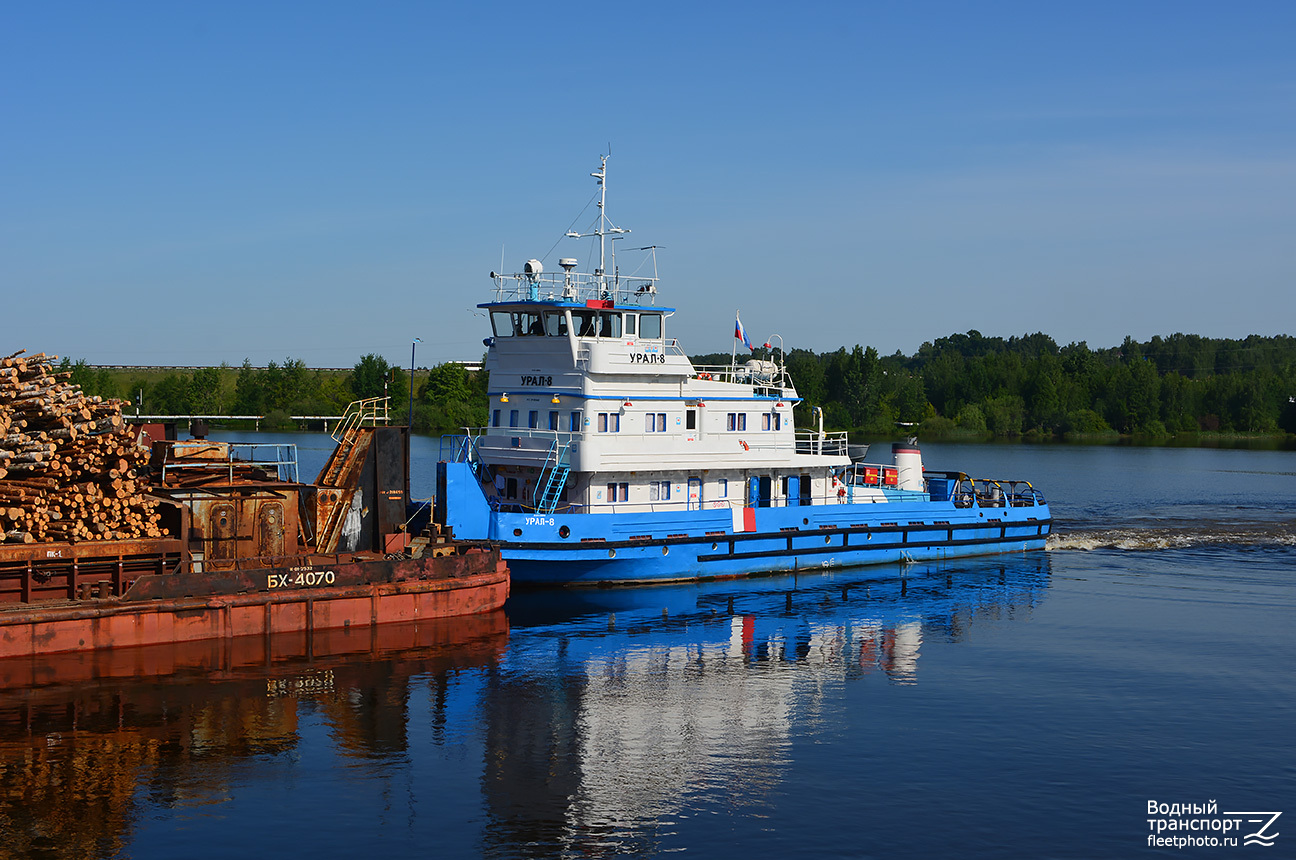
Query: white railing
{"points": [[575, 287], [767, 376], [810, 442], [560, 437]]}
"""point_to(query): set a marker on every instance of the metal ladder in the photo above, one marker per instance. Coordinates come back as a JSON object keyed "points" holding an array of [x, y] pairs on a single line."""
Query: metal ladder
{"points": [[553, 478]]}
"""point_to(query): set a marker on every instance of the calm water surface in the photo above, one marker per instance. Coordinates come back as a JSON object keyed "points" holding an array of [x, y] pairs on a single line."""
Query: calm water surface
{"points": [[1016, 706]]}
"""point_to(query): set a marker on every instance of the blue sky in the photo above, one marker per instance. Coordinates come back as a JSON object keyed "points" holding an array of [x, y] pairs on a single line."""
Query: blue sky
{"points": [[191, 184]]}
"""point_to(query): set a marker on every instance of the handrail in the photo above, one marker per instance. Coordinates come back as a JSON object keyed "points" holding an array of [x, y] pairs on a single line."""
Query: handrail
{"points": [[575, 287], [764, 376], [284, 458], [358, 412], [810, 442]]}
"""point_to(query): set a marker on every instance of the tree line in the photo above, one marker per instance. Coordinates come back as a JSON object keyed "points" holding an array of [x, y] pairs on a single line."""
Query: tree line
{"points": [[960, 385], [973, 385]]}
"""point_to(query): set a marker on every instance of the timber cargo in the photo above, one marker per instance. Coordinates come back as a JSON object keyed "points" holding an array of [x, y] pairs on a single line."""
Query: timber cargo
{"points": [[117, 536]]}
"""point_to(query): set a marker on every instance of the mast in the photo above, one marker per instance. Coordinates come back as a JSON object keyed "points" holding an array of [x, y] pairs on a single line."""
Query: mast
{"points": [[604, 228]]}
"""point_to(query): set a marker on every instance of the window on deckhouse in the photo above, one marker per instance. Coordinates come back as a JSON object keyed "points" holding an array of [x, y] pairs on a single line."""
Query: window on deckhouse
{"points": [[650, 325]]}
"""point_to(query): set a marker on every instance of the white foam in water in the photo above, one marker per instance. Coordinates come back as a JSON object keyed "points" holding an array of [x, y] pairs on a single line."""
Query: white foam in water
{"points": [[1157, 539]]}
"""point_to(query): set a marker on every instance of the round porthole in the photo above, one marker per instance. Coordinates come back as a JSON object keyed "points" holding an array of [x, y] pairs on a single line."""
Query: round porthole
{"points": [[517, 532], [827, 538], [611, 553], [563, 531], [714, 546], [665, 550], [805, 521], [224, 521]]}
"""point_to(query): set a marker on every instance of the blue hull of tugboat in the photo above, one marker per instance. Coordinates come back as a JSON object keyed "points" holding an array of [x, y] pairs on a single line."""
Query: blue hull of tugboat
{"points": [[625, 548]]}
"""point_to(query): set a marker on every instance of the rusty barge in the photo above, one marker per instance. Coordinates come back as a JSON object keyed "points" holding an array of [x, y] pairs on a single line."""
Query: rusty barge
{"points": [[246, 549]]}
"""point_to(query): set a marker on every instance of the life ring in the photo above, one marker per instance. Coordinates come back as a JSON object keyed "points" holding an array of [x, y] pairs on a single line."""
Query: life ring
{"points": [[704, 376], [746, 447], [841, 494]]}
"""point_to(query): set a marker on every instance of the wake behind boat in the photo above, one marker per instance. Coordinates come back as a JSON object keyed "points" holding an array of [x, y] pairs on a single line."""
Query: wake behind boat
{"points": [[611, 458]]}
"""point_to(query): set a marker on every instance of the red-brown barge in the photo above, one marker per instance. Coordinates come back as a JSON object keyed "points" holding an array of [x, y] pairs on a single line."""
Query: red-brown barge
{"points": [[248, 550]]}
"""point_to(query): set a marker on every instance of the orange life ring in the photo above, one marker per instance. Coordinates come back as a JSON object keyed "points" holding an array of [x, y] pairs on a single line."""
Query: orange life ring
{"points": [[746, 447]]}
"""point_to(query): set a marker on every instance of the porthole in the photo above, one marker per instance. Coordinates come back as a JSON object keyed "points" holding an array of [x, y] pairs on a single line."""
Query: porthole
{"points": [[563, 531], [517, 532], [665, 550], [805, 521], [827, 538], [611, 553], [714, 546]]}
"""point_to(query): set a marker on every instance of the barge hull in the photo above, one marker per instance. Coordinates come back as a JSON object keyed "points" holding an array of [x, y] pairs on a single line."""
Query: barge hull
{"points": [[39, 630]]}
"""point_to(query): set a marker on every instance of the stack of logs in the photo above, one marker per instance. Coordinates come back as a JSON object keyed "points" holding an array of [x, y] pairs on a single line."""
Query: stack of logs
{"points": [[67, 461]]}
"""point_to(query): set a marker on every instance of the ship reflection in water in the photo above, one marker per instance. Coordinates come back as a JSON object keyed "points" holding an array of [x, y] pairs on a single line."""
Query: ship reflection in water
{"points": [[588, 721], [616, 709]]}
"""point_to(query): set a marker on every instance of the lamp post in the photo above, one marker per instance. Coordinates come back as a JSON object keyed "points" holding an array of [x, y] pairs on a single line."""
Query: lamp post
{"points": [[413, 347], [780, 346]]}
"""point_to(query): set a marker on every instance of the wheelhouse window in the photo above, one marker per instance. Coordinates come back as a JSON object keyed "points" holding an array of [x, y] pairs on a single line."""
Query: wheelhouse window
{"points": [[586, 323], [650, 325], [610, 324], [531, 324], [502, 323], [629, 324], [556, 323]]}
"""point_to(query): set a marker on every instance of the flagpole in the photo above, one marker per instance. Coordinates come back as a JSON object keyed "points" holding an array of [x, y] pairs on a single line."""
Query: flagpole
{"points": [[733, 357]]}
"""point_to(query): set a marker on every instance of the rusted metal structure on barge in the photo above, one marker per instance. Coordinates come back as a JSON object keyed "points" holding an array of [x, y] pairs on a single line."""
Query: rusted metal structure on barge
{"points": [[248, 549]]}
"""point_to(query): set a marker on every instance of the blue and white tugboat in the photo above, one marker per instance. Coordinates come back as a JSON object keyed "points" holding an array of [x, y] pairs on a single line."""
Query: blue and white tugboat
{"points": [[611, 458]]}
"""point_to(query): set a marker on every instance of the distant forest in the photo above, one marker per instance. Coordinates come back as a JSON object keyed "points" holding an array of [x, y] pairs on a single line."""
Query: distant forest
{"points": [[962, 385]]}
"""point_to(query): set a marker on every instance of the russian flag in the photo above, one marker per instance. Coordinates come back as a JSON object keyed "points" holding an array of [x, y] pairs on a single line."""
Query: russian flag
{"points": [[741, 334]]}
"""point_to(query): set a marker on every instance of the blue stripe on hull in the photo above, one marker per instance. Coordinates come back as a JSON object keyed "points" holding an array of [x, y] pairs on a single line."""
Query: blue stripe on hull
{"points": [[681, 545], [648, 564]]}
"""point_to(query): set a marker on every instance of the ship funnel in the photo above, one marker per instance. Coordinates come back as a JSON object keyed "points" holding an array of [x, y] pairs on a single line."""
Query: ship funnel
{"points": [[909, 467]]}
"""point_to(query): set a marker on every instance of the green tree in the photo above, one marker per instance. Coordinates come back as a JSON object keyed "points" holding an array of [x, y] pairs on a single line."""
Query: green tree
{"points": [[369, 377]]}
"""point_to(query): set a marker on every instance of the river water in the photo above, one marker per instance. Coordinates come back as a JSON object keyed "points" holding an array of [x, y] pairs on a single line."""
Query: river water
{"points": [[1017, 706]]}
